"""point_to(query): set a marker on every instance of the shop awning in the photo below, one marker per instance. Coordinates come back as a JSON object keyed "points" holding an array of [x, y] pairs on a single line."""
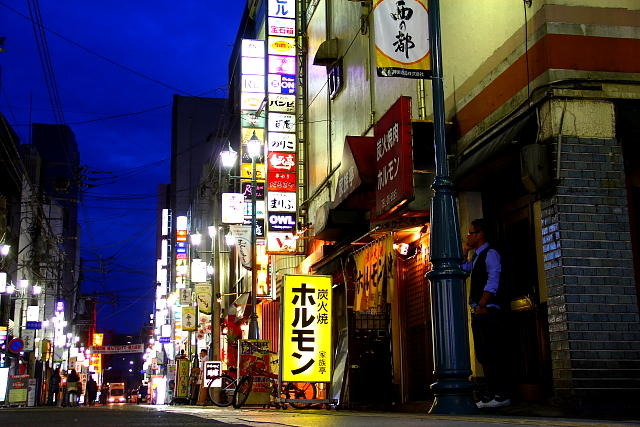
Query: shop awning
{"points": [[471, 165], [357, 172]]}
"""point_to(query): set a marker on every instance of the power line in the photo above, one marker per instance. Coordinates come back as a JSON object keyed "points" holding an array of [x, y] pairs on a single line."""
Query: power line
{"points": [[99, 55]]}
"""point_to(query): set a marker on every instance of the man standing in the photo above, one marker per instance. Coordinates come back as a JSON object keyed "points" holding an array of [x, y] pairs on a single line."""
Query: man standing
{"points": [[487, 320]]}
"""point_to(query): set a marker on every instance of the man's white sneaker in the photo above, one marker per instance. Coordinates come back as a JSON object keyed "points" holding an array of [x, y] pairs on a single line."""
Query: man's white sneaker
{"points": [[493, 403]]}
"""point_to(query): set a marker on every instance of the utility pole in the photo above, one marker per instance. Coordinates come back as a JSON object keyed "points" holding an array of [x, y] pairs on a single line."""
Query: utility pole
{"points": [[452, 367]]}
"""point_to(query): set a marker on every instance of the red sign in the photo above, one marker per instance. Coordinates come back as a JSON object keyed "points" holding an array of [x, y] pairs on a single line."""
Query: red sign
{"points": [[281, 181], [285, 162], [394, 158]]}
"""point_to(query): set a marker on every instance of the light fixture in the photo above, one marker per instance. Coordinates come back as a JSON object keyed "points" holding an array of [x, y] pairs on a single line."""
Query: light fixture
{"points": [[23, 283], [11, 289], [230, 239], [3, 282], [254, 146], [210, 269], [196, 239], [37, 289], [228, 157], [212, 231], [4, 249]]}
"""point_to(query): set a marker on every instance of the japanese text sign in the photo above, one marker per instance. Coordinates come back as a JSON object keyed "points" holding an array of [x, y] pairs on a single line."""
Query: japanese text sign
{"points": [[402, 40], [306, 329], [394, 158]]}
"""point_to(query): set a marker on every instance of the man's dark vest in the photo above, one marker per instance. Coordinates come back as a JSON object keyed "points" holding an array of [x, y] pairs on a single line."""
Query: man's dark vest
{"points": [[479, 276]]}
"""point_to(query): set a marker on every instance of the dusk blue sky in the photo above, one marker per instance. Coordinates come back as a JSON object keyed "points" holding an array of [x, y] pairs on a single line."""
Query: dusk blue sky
{"points": [[178, 47]]}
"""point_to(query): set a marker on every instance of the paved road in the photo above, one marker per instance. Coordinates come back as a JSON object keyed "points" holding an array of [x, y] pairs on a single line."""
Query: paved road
{"points": [[134, 415], [110, 415]]}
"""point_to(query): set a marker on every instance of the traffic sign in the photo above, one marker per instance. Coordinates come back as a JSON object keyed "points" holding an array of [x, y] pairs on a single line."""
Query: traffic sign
{"points": [[16, 345]]}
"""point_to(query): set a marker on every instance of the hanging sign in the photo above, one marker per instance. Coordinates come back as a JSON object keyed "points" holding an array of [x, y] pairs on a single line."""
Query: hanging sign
{"points": [[306, 329], [203, 298], [117, 349], [402, 38], [185, 296], [189, 319], [232, 208], [394, 158]]}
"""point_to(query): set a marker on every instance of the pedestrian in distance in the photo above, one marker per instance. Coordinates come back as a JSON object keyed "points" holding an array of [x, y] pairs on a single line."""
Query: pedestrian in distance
{"points": [[487, 314], [73, 388], [54, 388], [92, 391]]}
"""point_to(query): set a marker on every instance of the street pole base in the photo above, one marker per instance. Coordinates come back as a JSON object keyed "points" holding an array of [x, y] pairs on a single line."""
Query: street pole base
{"points": [[453, 398], [453, 404]]}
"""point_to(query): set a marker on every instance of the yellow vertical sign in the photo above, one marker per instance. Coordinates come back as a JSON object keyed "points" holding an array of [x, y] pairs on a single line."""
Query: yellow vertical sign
{"points": [[306, 329], [189, 319]]}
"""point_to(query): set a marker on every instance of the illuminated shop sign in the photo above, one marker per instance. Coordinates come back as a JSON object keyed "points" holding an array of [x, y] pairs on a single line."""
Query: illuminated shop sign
{"points": [[306, 329], [281, 142], [281, 181], [284, 84], [281, 158], [282, 27], [232, 208], [278, 122], [282, 222], [279, 64]]}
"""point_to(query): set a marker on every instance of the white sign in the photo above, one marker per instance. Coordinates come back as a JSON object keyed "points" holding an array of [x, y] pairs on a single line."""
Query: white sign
{"points": [[282, 103], [253, 65], [198, 271], [280, 242], [251, 100], [232, 208], [282, 122], [282, 8], [33, 313], [278, 141], [282, 27], [253, 48], [281, 201], [182, 223], [29, 338], [401, 37], [251, 83]]}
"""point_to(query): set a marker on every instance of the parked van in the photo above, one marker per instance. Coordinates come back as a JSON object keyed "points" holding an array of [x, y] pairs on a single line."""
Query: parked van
{"points": [[116, 393]]}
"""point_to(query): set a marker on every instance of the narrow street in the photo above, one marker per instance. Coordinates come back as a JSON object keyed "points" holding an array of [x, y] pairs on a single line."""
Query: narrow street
{"points": [[139, 415]]}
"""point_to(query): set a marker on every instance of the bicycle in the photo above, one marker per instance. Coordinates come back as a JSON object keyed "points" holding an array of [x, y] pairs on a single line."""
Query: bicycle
{"points": [[258, 368], [298, 394], [222, 390]]}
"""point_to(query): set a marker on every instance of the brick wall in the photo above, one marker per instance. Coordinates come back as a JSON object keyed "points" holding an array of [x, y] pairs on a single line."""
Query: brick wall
{"points": [[593, 306]]}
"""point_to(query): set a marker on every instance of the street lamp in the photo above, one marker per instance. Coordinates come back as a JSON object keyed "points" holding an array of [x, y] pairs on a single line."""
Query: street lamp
{"points": [[452, 366], [254, 150], [4, 249]]}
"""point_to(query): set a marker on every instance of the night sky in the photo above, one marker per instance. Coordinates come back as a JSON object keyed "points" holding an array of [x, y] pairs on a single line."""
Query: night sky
{"points": [[117, 64]]}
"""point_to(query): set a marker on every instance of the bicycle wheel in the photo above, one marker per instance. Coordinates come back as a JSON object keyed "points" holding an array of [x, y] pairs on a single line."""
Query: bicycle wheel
{"points": [[305, 391], [242, 391], [223, 394]]}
